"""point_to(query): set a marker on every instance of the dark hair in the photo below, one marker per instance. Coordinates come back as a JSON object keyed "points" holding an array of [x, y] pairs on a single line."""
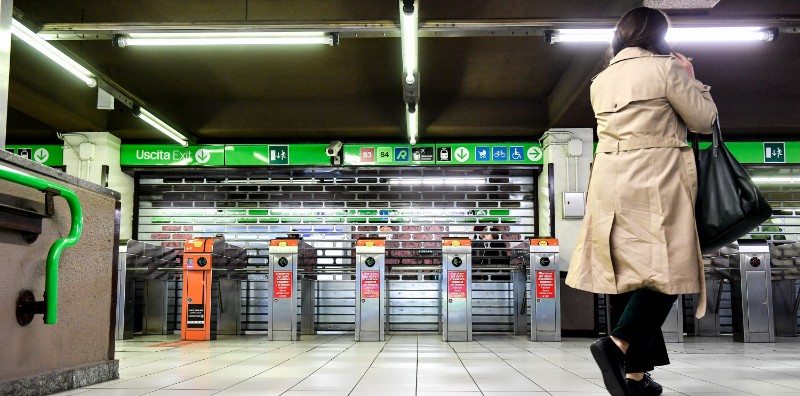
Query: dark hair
{"points": [[642, 27]]}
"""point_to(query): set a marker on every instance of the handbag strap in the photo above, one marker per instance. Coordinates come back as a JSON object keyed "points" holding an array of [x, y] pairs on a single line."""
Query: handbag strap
{"points": [[716, 140]]}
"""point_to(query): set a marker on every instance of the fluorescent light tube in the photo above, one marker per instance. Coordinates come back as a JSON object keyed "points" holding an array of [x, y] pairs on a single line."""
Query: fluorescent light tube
{"points": [[163, 127], [226, 38], [583, 35], [776, 179], [412, 125], [408, 38], [717, 34], [682, 34], [23, 33]]}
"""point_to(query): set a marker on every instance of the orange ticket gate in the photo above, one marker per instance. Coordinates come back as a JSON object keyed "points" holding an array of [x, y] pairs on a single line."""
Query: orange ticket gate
{"points": [[370, 289], [196, 307], [457, 289], [545, 290], [282, 315]]}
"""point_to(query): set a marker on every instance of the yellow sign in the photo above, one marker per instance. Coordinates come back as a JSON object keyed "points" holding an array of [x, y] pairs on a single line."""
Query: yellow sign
{"points": [[198, 242], [456, 243], [369, 243], [282, 243]]}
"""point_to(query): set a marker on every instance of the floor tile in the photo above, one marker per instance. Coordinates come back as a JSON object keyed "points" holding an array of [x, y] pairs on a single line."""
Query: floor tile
{"points": [[410, 364]]}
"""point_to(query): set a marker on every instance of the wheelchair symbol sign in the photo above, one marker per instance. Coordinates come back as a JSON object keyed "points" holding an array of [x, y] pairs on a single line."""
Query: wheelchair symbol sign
{"points": [[516, 153]]}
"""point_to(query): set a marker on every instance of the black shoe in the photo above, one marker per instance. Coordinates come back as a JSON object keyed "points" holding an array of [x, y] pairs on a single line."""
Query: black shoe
{"points": [[611, 361], [645, 387]]}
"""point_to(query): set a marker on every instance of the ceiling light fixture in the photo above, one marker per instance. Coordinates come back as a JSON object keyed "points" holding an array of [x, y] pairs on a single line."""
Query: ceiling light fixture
{"points": [[677, 34], [226, 38], [776, 179], [409, 22], [412, 125], [161, 126], [23, 33]]}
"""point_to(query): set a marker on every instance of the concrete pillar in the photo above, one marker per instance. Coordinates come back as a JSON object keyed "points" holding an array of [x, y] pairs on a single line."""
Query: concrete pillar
{"points": [[571, 174], [94, 156]]}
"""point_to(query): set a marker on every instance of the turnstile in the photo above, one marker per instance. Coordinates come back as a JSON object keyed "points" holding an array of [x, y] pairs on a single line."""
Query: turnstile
{"points": [[672, 329], [196, 304], [156, 307], [545, 290], [282, 317], [751, 292], [457, 289], [370, 289], [230, 307]]}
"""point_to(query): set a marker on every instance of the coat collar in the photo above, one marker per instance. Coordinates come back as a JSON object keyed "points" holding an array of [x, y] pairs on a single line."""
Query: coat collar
{"points": [[632, 53]]}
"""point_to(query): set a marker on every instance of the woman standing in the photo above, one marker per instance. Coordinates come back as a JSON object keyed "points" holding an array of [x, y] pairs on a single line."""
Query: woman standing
{"points": [[639, 240]]}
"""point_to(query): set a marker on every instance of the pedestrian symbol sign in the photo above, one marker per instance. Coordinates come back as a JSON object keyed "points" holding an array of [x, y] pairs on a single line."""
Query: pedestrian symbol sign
{"points": [[774, 152], [279, 155]]}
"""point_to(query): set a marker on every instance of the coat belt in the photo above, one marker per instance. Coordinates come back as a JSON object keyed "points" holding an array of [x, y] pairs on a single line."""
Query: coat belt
{"points": [[616, 146]]}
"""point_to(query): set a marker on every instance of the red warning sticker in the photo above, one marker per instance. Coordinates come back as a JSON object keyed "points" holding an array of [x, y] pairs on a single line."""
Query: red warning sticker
{"points": [[545, 284], [282, 284], [457, 284], [370, 284]]}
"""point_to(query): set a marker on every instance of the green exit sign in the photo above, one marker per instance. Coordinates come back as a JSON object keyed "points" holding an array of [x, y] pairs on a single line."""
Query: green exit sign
{"points": [[51, 154], [774, 152]]}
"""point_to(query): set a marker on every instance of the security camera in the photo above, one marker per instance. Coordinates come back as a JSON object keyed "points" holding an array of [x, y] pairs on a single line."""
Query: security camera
{"points": [[333, 149]]}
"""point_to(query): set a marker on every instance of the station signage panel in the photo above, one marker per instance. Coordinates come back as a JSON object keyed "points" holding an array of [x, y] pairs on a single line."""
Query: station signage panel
{"points": [[171, 155], [276, 154], [50, 154], [444, 154], [386, 154]]}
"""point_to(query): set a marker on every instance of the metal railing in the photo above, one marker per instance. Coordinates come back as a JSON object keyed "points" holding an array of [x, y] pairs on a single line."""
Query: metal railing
{"points": [[54, 255]]}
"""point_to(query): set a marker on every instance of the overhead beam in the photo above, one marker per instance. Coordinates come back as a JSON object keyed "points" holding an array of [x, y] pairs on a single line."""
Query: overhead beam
{"points": [[382, 28], [44, 109]]}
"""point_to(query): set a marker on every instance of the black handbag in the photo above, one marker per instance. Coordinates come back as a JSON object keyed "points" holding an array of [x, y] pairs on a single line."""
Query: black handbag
{"points": [[729, 205]]}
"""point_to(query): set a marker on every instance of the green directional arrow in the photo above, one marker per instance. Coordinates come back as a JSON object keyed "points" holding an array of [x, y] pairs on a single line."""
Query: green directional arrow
{"points": [[462, 154], [202, 155], [40, 155]]}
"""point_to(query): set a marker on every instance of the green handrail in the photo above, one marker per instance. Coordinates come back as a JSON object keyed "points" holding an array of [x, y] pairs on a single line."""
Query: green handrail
{"points": [[51, 271]]}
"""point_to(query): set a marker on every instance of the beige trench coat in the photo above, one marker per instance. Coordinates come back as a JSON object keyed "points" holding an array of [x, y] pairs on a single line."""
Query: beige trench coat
{"points": [[639, 230]]}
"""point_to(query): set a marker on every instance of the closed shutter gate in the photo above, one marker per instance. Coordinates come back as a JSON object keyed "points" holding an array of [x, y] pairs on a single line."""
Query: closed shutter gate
{"points": [[412, 207]]}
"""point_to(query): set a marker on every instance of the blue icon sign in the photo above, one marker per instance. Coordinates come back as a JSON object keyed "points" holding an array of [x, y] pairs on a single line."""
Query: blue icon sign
{"points": [[483, 153], [499, 153], [401, 154], [517, 153]]}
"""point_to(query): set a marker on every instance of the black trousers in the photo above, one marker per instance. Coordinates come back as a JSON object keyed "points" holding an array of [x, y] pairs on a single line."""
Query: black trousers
{"points": [[638, 316]]}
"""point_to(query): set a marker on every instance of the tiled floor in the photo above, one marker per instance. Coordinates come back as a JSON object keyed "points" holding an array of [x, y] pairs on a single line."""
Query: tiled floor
{"points": [[421, 364]]}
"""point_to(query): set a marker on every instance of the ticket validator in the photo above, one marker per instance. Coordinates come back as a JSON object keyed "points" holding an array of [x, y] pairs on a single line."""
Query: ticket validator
{"points": [[283, 257], [751, 292], [370, 289], [457, 289], [545, 290], [196, 313]]}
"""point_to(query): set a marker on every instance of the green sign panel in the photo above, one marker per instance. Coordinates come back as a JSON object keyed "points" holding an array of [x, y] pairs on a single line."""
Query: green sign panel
{"points": [[162, 155], [50, 155], [384, 154], [444, 154], [263, 154], [774, 153], [508, 153], [756, 152]]}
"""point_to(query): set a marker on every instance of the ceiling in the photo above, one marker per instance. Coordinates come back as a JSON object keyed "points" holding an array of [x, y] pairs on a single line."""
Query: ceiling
{"points": [[486, 73]]}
